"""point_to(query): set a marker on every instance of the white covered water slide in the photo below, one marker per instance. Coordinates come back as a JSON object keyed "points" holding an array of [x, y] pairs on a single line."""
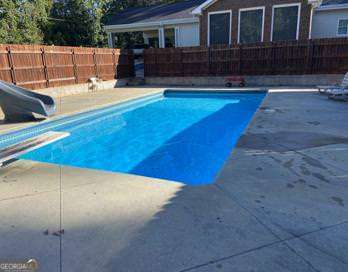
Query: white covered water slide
{"points": [[19, 104]]}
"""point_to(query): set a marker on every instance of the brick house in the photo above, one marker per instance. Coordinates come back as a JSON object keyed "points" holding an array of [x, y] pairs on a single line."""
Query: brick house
{"points": [[248, 21], [209, 22]]}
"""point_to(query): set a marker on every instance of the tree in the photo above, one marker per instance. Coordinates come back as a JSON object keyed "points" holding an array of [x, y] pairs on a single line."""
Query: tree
{"points": [[22, 21], [71, 24], [77, 23], [98, 9]]}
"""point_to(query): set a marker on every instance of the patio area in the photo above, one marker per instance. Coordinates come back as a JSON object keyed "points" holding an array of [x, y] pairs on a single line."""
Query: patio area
{"points": [[278, 204]]}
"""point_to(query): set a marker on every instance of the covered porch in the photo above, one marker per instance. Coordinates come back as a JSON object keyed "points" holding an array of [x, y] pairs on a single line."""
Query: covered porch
{"points": [[156, 36], [173, 33], [165, 25]]}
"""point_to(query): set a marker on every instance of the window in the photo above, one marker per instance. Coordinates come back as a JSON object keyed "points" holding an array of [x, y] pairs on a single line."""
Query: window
{"points": [[285, 22], [219, 27], [342, 27], [251, 25], [169, 37]]}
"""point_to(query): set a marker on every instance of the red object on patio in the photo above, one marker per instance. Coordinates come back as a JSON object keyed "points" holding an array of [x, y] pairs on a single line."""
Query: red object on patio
{"points": [[231, 80]]}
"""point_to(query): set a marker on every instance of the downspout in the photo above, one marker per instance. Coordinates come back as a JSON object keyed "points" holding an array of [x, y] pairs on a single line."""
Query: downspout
{"points": [[311, 23], [314, 4]]}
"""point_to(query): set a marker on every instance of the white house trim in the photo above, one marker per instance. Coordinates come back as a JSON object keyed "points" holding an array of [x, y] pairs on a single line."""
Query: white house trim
{"points": [[263, 20], [206, 4], [148, 25], [198, 10], [311, 23], [332, 7], [219, 12], [298, 17], [338, 24]]}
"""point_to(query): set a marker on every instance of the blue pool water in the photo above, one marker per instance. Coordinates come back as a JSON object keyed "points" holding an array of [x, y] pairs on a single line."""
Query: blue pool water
{"points": [[183, 137]]}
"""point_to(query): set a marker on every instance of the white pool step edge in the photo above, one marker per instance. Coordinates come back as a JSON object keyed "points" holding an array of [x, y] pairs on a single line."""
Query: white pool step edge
{"points": [[14, 151]]}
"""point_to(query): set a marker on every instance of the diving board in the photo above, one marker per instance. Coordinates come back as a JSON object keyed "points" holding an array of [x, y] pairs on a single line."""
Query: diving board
{"points": [[12, 152]]}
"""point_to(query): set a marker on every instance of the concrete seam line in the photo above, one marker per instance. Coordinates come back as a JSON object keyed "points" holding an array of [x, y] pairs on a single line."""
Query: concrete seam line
{"points": [[295, 236], [260, 247], [266, 245], [269, 229], [308, 156], [303, 239]]}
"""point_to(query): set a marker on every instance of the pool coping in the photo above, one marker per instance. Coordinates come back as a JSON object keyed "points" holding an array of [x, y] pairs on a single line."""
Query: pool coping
{"points": [[124, 102], [163, 89]]}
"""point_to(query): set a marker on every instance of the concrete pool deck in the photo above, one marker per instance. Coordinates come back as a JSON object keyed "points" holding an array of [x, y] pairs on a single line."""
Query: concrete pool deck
{"points": [[278, 204]]}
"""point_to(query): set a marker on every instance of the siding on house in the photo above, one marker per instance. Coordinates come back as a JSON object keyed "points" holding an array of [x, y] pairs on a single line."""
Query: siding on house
{"points": [[235, 5], [325, 23], [188, 35]]}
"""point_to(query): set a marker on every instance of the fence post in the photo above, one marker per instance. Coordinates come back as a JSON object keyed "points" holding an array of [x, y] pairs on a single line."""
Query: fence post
{"points": [[209, 61], [240, 59], [114, 62], [12, 68], [271, 59], [182, 63], [156, 61], [95, 63], [74, 65], [43, 57], [130, 64], [309, 60], [230, 68]]}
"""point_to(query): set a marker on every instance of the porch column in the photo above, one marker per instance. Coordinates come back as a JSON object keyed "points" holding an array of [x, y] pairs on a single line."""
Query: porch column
{"points": [[146, 38], [110, 40], [161, 38]]}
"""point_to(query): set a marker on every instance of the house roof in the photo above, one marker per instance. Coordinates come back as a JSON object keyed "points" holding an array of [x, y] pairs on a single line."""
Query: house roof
{"points": [[328, 5], [186, 9], [164, 12]]}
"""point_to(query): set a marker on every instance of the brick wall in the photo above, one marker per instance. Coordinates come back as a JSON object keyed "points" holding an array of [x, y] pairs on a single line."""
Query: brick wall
{"points": [[235, 5]]}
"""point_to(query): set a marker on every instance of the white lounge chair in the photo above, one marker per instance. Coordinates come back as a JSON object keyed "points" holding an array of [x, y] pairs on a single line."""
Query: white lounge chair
{"points": [[337, 89], [341, 95]]}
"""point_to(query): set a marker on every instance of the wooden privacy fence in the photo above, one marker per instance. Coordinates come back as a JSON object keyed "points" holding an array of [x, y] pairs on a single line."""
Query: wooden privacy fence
{"points": [[37, 66], [324, 56]]}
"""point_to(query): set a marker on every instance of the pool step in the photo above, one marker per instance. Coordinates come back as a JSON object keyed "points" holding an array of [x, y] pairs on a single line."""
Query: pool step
{"points": [[12, 152]]}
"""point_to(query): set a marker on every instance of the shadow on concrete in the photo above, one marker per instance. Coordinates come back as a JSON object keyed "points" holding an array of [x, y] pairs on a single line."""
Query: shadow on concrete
{"points": [[288, 140], [35, 119]]}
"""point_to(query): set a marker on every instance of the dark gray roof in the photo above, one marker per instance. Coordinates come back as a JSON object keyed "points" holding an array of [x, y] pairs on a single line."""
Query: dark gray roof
{"points": [[334, 2], [179, 10]]}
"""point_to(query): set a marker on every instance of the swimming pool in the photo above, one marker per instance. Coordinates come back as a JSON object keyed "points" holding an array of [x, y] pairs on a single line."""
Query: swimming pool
{"points": [[179, 136]]}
